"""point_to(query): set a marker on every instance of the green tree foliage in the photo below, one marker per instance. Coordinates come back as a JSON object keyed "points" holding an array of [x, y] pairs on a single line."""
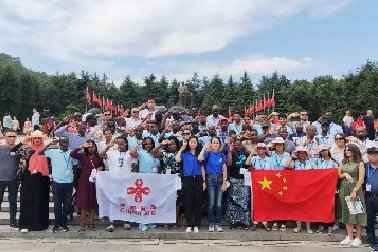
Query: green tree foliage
{"points": [[23, 89]]}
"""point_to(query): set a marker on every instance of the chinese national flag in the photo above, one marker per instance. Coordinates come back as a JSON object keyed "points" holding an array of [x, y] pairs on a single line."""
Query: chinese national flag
{"points": [[307, 196]]}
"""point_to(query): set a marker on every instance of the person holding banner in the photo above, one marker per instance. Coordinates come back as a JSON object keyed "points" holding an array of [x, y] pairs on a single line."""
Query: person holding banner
{"points": [[120, 162], [216, 171], [90, 161], [193, 180], [301, 162], [352, 174], [260, 162]]}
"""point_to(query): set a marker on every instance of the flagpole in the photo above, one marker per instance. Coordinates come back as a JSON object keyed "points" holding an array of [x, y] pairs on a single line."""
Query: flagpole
{"points": [[274, 100]]}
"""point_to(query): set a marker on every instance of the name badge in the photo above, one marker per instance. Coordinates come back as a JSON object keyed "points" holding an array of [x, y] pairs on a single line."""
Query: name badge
{"points": [[368, 187]]}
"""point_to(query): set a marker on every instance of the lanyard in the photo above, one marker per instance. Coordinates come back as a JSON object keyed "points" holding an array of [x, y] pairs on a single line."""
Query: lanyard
{"points": [[261, 162], [68, 161]]}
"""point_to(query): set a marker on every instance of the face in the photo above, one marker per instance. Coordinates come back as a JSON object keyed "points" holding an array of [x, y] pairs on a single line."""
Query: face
{"points": [[153, 128], [348, 153], [37, 141], [212, 131], [121, 144], [302, 155], [324, 154], [236, 118], [248, 120], [373, 158], [224, 125], [151, 104], [304, 116], [148, 145], [237, 144], [215, 144], [91, 147], [186, 134], [193, 143], [361, 133], [135, 113], [108, 115], [172, 146], [283, 134], [279, 147], [311, 131], [11, 137], [261, 151], [340, 141], [108, 135], [63, 144]]}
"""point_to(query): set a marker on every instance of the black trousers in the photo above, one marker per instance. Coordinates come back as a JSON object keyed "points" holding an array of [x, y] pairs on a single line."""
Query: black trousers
{"points": [[12, 198], [371, 212], [192, 189]]}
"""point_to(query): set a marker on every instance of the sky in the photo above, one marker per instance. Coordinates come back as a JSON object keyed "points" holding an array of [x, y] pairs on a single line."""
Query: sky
{"points": [[301, 39]]}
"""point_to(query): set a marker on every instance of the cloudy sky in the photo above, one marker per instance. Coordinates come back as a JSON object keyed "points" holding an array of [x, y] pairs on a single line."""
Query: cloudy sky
{"points": [[299, 38]]}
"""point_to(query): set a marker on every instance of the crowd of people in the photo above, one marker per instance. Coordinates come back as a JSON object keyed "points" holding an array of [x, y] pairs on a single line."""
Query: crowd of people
{"points": [[210, 153]]}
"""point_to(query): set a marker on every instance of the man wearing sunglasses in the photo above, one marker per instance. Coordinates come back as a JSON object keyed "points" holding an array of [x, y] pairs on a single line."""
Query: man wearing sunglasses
{"points": [[8, 174]]}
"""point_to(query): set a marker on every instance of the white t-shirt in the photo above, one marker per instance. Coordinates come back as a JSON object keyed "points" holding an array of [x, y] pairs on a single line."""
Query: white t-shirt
{"points": [[119, 163], [348, 120]]}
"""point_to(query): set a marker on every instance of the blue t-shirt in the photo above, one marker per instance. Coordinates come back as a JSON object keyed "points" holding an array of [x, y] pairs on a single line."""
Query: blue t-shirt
{"points": [[190, 164], [62, 165], [214, 161], [147, 162], [320, 163], [279, 161]]}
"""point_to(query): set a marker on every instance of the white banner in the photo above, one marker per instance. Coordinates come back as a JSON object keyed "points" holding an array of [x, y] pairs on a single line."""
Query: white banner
{"points": [[138, 197]]}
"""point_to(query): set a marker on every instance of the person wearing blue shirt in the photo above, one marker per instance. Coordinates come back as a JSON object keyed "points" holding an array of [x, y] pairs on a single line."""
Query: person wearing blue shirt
{"points": [[193, 182], [279, 157], [216, 171], [62, 175], [260, 162], [371, 188]]}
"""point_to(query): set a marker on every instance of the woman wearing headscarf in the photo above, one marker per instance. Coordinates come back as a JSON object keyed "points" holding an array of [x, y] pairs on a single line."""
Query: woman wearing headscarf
{"points": [[35, 186]]}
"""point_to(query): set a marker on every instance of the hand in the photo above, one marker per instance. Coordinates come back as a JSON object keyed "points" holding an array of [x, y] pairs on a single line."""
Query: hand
{"points": [[84, 146], [208, 147], [353, 195], [224, 186], [348, 178], [203, 186], [184, 144]]}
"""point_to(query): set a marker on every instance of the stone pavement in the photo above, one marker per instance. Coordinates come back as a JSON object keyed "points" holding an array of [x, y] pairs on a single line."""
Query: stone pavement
{"points": [[76, 245]]}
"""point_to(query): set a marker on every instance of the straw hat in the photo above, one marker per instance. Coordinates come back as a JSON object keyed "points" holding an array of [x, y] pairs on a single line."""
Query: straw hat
{"points": [[323, 147], [37, 134], [278, 140], [301, 149], [261, 145]]}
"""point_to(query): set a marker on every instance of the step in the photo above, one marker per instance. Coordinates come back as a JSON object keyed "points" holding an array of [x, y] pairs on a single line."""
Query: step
{"points": [[5, 206], [6, 198]]}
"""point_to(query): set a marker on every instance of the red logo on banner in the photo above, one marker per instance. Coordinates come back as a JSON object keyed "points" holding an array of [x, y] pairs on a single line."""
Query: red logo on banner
{"points": [[138, 191]]}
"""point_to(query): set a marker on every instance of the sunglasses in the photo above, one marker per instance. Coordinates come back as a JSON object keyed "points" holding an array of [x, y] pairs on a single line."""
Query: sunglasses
{"points": [[12, 136], [107, 114], [186, 133], [339, 138]]}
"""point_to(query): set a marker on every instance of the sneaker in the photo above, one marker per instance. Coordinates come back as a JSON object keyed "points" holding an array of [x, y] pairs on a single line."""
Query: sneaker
{"points": [[275, 227], [188, 230], [320, 229], [335, 227], [297, 230], [346, 241], [24, 230], [127, 226], [55, 229], [253, 227], [143, 227], [356, 242], [14, 227], [218, 228], [309, 231], [109, 228], [211, 228], [195, 230], [283, 228], [330, 230], [65, 229]]}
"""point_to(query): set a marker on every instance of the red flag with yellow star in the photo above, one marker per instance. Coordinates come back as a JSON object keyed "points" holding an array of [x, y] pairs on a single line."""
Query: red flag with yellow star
{"points": [[307, 196]]}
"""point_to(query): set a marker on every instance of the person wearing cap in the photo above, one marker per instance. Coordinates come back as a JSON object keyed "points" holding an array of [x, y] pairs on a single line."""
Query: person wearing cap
{"points": [[301, 161], [279, 158], [214, 119], [371, 193], [260, 162], [325, 161], [62, 180]]}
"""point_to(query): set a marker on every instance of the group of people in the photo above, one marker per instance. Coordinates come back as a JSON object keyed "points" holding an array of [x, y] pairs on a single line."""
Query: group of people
{"points": [[210, 153]]}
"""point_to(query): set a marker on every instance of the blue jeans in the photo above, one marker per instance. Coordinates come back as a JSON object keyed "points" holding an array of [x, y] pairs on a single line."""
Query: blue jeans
{"points": [[214, 188], [62, 202]]}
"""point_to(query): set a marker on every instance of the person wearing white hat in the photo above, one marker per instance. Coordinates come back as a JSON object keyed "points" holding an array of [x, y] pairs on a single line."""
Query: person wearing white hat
{"points": [[260, 162], [279, 158]]}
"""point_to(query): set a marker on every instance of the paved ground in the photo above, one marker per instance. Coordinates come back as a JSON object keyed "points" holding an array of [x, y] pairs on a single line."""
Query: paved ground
{"points": [[42, 245]]}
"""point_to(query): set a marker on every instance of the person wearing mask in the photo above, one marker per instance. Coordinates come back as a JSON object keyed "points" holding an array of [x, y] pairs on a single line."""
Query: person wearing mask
{"points": [[351, 176], [62, 180], [193, 179], [239, 195], [216, 172], [214, 119], [89, 160], [8, 174], [120, 162], [371, 189], [261, 161], [35, 188]]}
